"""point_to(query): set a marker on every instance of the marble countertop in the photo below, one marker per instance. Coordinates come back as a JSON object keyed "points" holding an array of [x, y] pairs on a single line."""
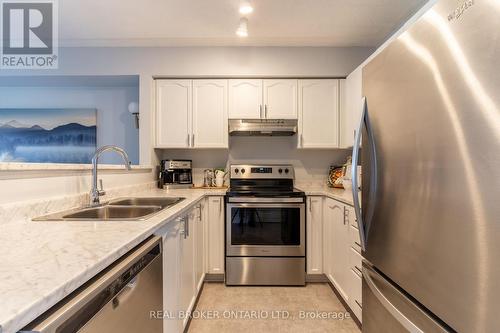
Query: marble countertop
{"points": [[342, 195], [42, 262]]}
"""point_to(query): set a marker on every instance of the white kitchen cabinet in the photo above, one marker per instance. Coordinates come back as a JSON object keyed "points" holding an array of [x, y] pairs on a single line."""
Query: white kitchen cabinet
{"points": [[245, 99], [314, 232], [191, 114], [186, 254], [215, 235], [352, 107], [319, 112], [199, 241], [171, 276], [280, 99], [263, 99], [210, 114], [336, 249], [173, 113]]}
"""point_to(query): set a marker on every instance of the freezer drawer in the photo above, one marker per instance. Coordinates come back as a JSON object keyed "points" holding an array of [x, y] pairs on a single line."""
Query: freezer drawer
{"points": [[386, 309]]}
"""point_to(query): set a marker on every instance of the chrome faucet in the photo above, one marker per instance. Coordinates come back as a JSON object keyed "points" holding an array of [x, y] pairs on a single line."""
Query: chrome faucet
{"points": [[95, 192]]}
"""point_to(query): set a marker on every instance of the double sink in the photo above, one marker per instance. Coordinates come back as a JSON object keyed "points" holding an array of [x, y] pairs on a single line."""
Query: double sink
{"points": [[131, 209]]}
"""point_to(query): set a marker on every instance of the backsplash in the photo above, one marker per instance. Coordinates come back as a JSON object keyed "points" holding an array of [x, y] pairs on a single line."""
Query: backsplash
{"points": [[311, 165]]}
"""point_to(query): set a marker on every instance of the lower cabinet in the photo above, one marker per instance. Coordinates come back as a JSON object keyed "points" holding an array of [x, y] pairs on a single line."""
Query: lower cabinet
{"points": [[215, 235], [314, 232], [341, 252], [191, 248]]}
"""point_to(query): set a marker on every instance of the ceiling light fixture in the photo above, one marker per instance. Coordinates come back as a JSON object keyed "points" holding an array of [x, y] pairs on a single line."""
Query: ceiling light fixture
{"points": [[242, 30], [246, 8]]}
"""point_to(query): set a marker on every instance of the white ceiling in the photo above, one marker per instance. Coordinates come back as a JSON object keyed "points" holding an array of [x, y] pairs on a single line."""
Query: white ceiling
{"points": [[341, 23]]}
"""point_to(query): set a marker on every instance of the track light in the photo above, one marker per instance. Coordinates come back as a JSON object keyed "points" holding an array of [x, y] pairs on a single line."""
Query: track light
{"points": [[246, 8], [242, 30]]}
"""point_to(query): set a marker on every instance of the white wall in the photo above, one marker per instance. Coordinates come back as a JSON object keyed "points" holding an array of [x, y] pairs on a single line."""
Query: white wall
{"points": [[200, 61], [115, 125], [311, 166], [188, 61]]}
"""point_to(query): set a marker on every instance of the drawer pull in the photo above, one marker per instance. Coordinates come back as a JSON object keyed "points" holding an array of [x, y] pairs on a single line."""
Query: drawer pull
{"points": [[358, 269], [359, 304], [357, 244]]}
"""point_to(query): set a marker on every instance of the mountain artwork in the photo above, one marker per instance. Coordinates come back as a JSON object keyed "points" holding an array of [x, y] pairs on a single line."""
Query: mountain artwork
{"points": [[48, 135]]}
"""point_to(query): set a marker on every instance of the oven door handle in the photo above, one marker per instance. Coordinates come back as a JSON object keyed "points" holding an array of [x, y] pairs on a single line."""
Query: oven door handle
{"points": [[264, 200]]}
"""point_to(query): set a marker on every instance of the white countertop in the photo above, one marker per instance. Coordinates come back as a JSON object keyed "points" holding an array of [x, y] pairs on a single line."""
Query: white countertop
{"points": [[342, 195], [42, 262]]}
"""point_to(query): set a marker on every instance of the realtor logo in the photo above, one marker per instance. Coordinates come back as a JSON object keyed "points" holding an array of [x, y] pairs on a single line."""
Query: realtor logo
{"points": [[29, 34]]}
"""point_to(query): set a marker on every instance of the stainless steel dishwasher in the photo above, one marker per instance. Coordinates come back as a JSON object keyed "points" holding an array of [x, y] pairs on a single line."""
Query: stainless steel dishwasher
{"points": [[119, 299]]}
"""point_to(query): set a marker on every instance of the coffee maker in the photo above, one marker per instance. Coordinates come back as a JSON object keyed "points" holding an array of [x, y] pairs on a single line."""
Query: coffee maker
{"points": [[175, 174]]}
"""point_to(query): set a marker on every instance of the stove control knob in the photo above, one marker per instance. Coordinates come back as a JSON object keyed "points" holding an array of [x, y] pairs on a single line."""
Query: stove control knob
{"points": [[242, 170], [286, 170], [280, 170], [236, 170]]}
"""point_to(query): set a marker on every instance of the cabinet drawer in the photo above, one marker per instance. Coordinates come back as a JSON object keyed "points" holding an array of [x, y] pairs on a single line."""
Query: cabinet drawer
{"points": [[355, 240], [356, 300], [355, 260]]}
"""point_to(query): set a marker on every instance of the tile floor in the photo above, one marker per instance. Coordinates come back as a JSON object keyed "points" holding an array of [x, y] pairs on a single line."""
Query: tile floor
{"points": [[270, 309]]}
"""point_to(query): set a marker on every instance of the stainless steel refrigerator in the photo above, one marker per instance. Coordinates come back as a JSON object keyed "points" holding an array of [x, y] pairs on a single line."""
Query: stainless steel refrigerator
{"points": [[430, 155]]}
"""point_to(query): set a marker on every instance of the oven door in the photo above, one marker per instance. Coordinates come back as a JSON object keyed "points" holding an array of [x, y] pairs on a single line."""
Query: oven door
{"points": [[265, 227]]}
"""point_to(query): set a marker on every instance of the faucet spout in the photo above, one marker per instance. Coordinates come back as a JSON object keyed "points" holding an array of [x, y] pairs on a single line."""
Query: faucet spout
{"points": [[95, 192]]}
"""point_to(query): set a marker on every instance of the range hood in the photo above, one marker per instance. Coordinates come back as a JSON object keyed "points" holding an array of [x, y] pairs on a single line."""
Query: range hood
{"points": [[262, 127]]}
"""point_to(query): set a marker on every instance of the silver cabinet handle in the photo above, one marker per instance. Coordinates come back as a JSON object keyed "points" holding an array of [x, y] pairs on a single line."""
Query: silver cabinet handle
{"points": [[192, 140], [265, 111], [355, 159], [398, 315], [260, 111], [199, 216], [188, 140]]}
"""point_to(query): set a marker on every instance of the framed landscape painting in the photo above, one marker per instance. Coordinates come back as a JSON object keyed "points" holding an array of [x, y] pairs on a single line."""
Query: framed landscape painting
{"points": [[48, 135]]}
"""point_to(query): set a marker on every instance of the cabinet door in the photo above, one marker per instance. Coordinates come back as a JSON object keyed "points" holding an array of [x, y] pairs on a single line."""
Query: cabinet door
{"points": [[210, 114], [198, 230], [336, 238], [314, 235], [186, 254], [245, 99], [173, 113], [215, 235], [318, 114], [171, 277], [280, 99], [350, 112]]}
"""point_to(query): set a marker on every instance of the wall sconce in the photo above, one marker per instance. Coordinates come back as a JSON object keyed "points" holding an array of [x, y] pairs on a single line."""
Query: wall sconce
{"points": [[133, 108]]}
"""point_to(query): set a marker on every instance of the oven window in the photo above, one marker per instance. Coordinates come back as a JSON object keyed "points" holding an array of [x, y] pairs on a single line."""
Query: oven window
{"points": [[265, 226]]}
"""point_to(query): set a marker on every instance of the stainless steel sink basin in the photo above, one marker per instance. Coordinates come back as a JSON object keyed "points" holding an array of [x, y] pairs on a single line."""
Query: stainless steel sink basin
{"points": [[113, 213], [125, 209], [158, 201]]}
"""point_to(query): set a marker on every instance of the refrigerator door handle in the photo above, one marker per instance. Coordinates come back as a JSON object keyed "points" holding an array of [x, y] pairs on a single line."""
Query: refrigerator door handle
{"points": [[400, 317], [354, 177]]}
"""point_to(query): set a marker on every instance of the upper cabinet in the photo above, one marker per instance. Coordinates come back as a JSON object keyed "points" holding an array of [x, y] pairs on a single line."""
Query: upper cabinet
{"points": [[191, 114], [280, 99], [245, 99], [210, 114], [351, 114], [173, 116], [263, 99], [319, 113]]}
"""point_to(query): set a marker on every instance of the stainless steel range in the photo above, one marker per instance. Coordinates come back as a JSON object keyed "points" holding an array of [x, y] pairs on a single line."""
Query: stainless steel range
{"points": [[265, 227]]}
